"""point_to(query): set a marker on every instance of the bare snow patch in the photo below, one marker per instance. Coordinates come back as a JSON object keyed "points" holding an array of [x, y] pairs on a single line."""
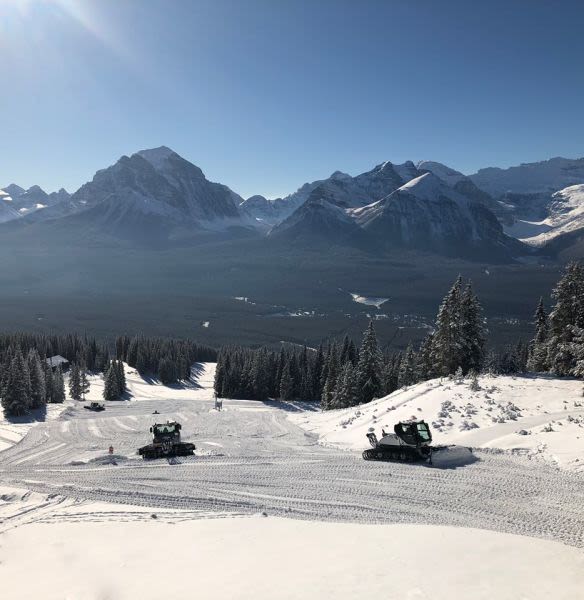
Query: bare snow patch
{"points": [[376, 301]]}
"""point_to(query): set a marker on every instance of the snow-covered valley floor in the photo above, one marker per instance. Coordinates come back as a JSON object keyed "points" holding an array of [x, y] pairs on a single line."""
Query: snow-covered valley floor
{"points": [[392, 529]]}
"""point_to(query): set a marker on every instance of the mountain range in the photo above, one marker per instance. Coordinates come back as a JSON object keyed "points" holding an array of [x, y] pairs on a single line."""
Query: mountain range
{"points": [[500, 214]]}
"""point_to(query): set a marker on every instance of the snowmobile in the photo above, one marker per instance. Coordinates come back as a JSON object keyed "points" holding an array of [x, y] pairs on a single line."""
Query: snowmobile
{"points": [[411, 442], [166, 442], [96, 406]]}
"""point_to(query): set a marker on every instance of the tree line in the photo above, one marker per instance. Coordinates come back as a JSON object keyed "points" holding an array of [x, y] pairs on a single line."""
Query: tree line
{"points": [[169, 360], [340, 374], [27, 381]]}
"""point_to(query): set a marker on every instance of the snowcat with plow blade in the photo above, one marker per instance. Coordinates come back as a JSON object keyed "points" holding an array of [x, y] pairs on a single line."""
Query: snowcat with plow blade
{"points": [[166, 442], [411, 442]]}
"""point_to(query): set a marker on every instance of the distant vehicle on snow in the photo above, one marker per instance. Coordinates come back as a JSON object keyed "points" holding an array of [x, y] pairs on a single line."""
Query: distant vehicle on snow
{"points": [[166, 442], [95, 406]]}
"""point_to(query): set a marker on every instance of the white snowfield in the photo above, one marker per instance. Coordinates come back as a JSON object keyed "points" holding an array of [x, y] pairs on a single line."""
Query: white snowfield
{"points": [[93, 525], [87, 551], [538, 417]]}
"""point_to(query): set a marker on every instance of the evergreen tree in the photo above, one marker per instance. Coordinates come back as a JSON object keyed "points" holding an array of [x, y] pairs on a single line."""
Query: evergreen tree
{"points": [[120, 376], [16, 395], [75, 382], [111, 390], [58, 385], [286, 383], [37, 380], [538, 351], [167, 371], [260, 375], [369, 367], [345, 394], [407, 372], [472, 331], [84, 381], [568, 312], [49, 387], [425, 366], [447, 341], [332, 370]]}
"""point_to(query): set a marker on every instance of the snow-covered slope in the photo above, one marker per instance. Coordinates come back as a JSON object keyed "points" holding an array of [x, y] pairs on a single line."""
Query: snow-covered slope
{"points": [[566, 215], [540, 417], [102, 551], [426, 213]]}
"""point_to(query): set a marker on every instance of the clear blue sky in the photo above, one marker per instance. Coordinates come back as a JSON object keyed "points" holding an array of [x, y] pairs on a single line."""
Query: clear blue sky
{"points": [[264, 95]]}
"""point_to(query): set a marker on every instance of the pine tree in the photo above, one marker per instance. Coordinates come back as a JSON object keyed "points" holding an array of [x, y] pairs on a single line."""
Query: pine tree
{"points": [[49, 387], [332, 369], [58, 385], [538, 351], [37, 380], [75, 382], [447, 341], [286, 384], [167, 371], [345, 394], [568, 312], [407, 372], [16, 395], [84, 381], [120, 376], [472, 331], [111, 390], [259, 375], [369, 367]]}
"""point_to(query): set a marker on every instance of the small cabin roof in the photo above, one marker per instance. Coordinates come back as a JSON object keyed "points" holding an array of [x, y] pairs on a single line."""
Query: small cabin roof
{"points": [[55, 361]]}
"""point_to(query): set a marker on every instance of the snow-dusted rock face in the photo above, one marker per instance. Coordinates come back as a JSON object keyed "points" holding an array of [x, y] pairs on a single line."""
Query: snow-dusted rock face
{"points": [[465, 186], [158, 184], [7, 210], [426, 213], [339, 189], [262, 210], [24, 202], [547, 176], [317, 219]]}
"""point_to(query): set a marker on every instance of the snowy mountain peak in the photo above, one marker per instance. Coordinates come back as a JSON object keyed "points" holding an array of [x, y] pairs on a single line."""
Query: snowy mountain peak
{"points": [[340, 176], [448, 175], [157, 157], [14, 190], [35, 189]]}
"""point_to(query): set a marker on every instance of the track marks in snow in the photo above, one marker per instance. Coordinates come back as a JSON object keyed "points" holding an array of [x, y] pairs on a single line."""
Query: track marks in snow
{"points": [[267, 464]]}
